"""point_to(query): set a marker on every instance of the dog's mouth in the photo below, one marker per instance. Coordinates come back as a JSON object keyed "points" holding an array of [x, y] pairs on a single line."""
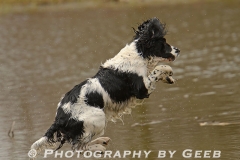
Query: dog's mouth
{"points": [[170, 59]]}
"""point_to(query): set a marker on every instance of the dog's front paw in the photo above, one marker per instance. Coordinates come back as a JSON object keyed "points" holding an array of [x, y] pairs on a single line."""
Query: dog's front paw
{"points": [[168, 80], [163, 73]]}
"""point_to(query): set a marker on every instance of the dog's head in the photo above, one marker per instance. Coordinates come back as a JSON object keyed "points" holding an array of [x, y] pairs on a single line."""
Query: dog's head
{"points": [[150, 41]]}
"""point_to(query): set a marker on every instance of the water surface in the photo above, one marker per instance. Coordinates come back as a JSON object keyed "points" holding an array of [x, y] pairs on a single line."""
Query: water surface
{"points": [[44, 54]]}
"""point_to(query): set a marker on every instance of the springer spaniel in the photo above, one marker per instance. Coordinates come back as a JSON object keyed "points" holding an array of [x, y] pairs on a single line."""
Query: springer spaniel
{"points": [[83, 112]]}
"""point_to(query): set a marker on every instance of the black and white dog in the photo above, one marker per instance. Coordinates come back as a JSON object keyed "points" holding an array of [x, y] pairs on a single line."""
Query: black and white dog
{"points": [[83, 112]]}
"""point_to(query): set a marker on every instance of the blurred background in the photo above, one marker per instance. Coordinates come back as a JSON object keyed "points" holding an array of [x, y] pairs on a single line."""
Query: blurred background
{"points": [[48, 46]]}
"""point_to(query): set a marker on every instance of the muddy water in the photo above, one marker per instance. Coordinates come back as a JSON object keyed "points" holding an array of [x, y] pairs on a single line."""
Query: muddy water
{"points": [[43, 55]]}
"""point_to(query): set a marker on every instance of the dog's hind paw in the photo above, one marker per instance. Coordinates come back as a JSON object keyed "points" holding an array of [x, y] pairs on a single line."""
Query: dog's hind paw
{"points": [[101, 140], [96, 147], [98, 144]]}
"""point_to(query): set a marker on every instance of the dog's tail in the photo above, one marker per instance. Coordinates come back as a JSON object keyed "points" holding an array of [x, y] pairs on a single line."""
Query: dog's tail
{"points": [[47, 141]]}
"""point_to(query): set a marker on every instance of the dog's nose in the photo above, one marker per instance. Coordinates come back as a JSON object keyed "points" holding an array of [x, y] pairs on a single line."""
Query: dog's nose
{"points": [[177, 50]]}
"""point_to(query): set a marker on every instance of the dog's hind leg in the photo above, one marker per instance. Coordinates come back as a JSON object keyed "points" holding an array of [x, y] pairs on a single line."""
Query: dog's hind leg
{"points": [[47, 141], [94, 123], [160, 72]]}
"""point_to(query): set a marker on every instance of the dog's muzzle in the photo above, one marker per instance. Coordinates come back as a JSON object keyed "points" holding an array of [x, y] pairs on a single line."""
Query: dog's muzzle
{"points": [[175, 52]]}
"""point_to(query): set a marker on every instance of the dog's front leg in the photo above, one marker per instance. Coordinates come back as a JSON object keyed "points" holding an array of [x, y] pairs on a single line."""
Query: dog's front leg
{"points": [[161, 72]]}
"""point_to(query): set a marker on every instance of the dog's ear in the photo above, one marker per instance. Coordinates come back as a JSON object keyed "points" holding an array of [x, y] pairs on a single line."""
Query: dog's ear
{"points": [[156, 29], [149, 29]]}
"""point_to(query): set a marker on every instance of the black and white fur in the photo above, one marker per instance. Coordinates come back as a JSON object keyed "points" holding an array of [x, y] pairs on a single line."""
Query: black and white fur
{"points": [[83, 112]]}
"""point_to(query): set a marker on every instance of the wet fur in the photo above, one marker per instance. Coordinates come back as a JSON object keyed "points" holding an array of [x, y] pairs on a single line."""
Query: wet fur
{"points": [[83, 112]]}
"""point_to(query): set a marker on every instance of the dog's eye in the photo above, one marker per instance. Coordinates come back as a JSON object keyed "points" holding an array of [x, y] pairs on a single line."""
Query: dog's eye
{"points": [[171, 73]]}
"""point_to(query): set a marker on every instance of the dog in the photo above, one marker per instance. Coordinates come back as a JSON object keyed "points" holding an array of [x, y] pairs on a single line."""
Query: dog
{"points": [[132, 74]]}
